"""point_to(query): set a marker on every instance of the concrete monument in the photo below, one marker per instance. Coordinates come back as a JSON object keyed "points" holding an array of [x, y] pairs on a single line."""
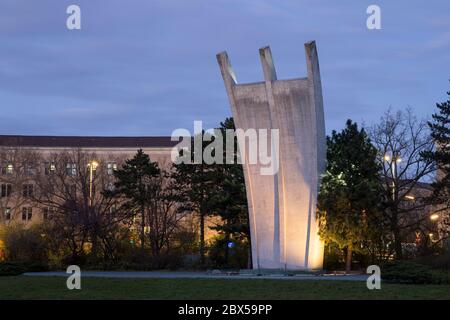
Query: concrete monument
{"points": [[282, 206]]}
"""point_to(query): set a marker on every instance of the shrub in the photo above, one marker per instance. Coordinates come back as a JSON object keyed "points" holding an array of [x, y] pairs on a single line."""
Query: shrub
{"points": [[25, 244], [14, 268], [34, 266], [411, 272], [333, 257], [11, 269], [237, 257], [441, 261], [406, 272]]}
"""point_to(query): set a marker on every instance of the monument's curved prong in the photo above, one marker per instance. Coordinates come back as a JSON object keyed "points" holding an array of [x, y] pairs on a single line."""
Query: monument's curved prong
{"points": [[270, 73], [282, 207]]}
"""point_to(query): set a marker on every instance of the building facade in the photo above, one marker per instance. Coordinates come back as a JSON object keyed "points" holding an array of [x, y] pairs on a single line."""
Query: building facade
{"points": [[24, 159], [40, 174]]}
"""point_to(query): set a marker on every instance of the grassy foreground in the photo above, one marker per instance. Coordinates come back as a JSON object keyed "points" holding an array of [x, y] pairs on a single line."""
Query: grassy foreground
{"points": [[23, 287]]}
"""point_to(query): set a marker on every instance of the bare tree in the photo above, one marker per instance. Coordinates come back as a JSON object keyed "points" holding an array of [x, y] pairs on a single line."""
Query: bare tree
{"points": [[70, 189], [401, 139], [163, 214]]}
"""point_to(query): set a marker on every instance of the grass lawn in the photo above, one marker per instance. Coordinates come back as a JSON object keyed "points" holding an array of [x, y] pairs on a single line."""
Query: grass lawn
{"points": [[24, 287]]}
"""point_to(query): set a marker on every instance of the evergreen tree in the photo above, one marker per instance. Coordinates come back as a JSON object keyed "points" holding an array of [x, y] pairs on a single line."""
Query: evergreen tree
{"points": [[230, 200], [440, 132], [349, 193], [196, 187], [134, 181]]}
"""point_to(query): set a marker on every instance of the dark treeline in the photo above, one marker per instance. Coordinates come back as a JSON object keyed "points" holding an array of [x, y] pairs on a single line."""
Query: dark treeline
{"points": [[384, 196]]}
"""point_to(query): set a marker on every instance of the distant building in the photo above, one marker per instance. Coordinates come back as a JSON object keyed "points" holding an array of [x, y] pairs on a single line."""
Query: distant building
{"points": [[24, 159], [16, 176]]}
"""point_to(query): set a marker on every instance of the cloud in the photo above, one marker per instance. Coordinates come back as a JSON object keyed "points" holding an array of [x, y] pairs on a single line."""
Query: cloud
{"points": [[148, 67]]}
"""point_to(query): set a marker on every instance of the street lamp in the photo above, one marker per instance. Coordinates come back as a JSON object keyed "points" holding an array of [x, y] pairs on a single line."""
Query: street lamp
{"points": [[393, 162], [92, 167], [434, 217]]}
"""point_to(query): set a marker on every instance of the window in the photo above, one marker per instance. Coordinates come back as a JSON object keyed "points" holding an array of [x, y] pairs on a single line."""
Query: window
{"points": [[6, 189], [29, 169], [8, 169], [111, 166], [47, 213], [7, 213], [27, 213], [27, 190], [50, 168], [71, 169]]}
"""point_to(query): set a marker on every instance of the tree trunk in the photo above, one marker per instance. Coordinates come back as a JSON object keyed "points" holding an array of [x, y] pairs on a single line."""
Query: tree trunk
{"points": [[397, 244], [142, 228], [202, 239], [397, 236], [348, 261], [94, 234], [94, 250], [227, 249]]}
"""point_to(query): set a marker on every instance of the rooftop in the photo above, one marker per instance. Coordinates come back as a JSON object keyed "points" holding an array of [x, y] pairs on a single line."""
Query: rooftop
{"points": [[85, 141]]}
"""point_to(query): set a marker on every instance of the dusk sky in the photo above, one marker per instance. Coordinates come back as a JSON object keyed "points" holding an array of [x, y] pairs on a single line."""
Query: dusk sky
{"points": [[147, 67]]}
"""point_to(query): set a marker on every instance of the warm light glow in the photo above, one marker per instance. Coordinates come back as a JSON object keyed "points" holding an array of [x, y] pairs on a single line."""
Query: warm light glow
{"points": [[94, 164], [434, 216], [398, 159], [9, 169], [387, 158], [409, 197]]}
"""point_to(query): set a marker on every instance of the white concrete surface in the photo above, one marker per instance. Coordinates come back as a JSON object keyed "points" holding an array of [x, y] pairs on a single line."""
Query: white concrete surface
{"points": [[282, 208]]}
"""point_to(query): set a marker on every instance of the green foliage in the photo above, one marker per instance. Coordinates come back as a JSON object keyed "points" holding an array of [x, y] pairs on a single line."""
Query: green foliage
{"points": [[411, 272], [438, 262], [440, 132], [133, 178], [196, 185], [349, 193], [14, 268], [333, 257], [25, 244], [11, 269], [230, 199], [134, 184], [221, 256]]}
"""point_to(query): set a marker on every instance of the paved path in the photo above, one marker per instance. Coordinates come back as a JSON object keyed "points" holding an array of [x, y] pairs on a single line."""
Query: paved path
{"points": [[197, 275]]}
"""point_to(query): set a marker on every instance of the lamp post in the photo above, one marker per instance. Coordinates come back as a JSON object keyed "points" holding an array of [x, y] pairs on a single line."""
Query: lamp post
{"points": [[434, 217], [393, 162], [92, 167]]}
